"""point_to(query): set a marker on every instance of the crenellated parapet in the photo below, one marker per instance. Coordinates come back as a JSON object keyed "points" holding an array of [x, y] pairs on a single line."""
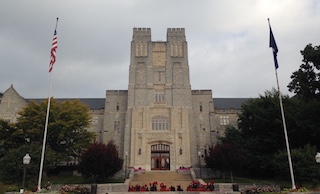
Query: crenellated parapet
{"points": [[140, 40], [176, 34], [117, 92], [201, 92], [177, 39], [141, 34]]}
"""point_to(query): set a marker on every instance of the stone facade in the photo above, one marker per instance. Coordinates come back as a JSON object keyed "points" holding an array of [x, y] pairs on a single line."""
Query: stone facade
{"points": [[159, 123], [10, 104]]}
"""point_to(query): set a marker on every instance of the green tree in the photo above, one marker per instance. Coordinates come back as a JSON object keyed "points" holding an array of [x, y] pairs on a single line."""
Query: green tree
{"points": [[10, 137], [67, 126], [232, 136], [307, 122], [226, 158], [67, 136], [306, 81], [306, 85], [261, 128], [100, 161], [304, 166], [12, 167]]}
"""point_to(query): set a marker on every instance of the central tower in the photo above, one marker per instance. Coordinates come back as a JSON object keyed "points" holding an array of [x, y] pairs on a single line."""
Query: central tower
{"points": [[159, 121], [159, 112]]}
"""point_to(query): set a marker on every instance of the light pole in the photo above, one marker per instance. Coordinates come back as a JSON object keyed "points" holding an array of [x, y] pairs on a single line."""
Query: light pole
{"points": [[125, 171], [317, 157], [199, 154], [26, 160]]}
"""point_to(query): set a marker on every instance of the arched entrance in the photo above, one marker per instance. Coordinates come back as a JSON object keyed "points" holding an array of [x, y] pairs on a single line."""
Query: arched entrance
{"points": [[160, 157]]}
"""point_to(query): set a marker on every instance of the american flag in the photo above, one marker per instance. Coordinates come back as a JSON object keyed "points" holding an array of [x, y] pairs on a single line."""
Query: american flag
{"points": [[53, 51]]}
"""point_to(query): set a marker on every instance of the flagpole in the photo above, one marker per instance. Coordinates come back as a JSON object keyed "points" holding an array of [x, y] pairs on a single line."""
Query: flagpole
{"points": [[46, 127], [286, 135], [282, 113]]}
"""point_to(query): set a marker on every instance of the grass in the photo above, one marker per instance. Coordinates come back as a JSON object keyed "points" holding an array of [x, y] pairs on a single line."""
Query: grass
{"points": [[63, 180], [78, 180]]}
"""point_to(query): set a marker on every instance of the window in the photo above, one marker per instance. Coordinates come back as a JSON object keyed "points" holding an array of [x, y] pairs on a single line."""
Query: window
{"points": [[159, 96], [160, 122], [117, 106], [200, 106], [224, 120], [116, 125]]}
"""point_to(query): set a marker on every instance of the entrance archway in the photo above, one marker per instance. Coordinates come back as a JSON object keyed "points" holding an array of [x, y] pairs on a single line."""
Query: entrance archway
{"points": [[160, 157]]}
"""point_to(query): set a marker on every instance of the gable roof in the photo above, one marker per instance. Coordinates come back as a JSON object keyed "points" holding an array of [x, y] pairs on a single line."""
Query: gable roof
{"points": [[12, 90]]}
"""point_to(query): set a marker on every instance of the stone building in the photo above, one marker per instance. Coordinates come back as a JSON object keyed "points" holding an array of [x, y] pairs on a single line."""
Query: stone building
{"points": [[10, 104], [159, 123], [159, 120]]}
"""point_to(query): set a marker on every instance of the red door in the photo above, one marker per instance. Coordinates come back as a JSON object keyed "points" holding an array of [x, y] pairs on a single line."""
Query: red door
{"points": [[160, 157]]}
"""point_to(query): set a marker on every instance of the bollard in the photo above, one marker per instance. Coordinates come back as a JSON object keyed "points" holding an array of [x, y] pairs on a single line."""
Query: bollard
{"points": [[94, 189], [235, 187]]}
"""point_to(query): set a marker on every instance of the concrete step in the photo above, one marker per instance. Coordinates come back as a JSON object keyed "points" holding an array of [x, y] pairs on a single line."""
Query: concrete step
{"points": [[165, 177]]}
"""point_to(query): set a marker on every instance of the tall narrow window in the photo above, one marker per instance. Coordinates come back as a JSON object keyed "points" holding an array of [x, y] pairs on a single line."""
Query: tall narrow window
{"points": [[116, 125], [200, 106], [159, 97], [117, 106]]}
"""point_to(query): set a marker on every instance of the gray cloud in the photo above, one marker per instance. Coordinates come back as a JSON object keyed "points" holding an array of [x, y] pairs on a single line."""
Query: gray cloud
{"points": [[227, 43]]}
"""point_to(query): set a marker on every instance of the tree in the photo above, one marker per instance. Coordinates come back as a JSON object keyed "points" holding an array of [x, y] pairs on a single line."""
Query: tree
{"points": [[67, 126], [12, 167], [261, 130], [306, 81], [226, 158], [100, 161], [306, 85], [232, 136], [304, 165], [307, 123], [10, 137]]}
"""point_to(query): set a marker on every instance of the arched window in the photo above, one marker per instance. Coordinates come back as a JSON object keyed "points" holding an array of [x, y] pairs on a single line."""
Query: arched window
{"points": [[160, 122]]}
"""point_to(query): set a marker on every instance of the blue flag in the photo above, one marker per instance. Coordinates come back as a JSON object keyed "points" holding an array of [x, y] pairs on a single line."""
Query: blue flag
{"points": [[273, 45]]}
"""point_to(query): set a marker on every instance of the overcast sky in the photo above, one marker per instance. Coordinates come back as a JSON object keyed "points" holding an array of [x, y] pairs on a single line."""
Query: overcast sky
{"points": [[228, 43]]}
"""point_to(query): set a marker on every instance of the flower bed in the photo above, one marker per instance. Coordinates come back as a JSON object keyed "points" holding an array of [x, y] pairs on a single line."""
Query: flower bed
{"points": [[139, 170], [197, 186], [194, 186], [183, 170]]}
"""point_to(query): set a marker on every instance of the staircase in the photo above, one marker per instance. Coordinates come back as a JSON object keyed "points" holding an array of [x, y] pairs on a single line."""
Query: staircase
{"points": [[168, 178]]}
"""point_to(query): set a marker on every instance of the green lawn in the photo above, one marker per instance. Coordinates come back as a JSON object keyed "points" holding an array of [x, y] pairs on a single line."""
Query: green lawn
{"points": [[64, 180]]}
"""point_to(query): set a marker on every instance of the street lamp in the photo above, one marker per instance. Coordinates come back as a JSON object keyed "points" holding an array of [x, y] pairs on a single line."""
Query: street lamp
{"points": [[199, 154], [125, 172], [317, 157], [26, 160]]}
